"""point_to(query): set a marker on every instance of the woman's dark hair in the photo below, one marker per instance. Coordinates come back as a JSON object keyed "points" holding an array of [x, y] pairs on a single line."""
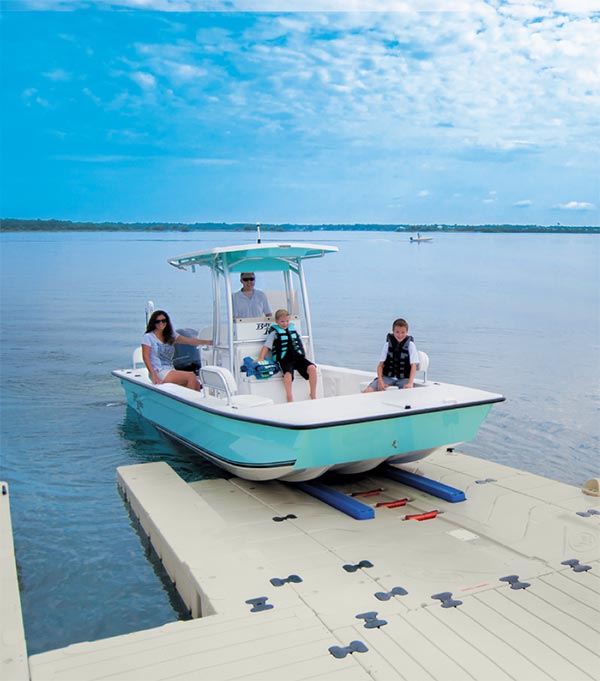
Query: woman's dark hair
{"points": [[168, 334]]}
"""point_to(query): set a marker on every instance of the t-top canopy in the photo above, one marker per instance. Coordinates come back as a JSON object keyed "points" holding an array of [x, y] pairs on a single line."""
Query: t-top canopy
{"points": [[267, 257]]}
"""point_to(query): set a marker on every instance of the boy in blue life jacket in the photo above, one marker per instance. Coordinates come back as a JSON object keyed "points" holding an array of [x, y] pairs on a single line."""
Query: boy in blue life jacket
{"points": [[397, 361], [287, 350]]}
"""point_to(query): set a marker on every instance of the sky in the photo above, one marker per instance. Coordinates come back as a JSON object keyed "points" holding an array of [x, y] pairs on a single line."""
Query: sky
{"points": [[304, 111]]}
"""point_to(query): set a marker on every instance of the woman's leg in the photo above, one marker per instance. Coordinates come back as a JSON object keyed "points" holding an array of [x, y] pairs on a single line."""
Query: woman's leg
{"points": [[187, 379]]}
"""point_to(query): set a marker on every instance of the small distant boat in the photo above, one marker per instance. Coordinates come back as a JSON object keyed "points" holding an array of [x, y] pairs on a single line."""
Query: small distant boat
{"points": [[242, 422], [419, 238]]}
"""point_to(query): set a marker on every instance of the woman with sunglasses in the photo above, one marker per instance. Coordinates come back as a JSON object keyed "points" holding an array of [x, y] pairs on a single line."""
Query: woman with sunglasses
{"points": [[158, 351]]}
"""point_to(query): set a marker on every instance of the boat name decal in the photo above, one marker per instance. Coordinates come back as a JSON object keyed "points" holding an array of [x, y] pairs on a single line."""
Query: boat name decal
{"points": [[260, 326]]}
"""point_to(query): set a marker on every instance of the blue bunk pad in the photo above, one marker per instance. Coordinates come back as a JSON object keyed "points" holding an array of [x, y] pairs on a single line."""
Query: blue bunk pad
{"points": [[433, 487], [342, 502]]}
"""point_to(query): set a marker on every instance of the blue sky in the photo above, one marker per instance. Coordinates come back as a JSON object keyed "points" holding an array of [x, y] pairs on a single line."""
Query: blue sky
{"points": [[486, 112]]}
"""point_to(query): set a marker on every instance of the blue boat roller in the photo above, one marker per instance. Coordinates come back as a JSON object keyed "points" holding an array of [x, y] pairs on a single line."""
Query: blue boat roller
{"points": [[352, 507], [356, 509], [433, 487]]}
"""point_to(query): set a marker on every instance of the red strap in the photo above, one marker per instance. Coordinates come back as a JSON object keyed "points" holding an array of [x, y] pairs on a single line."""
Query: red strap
{"points": [[422, 516], [370, 493], [392, 504]]}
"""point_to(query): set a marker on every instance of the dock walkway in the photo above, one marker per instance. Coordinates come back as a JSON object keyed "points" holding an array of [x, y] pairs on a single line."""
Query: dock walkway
{"points": [[283, 586], [13, 651]]}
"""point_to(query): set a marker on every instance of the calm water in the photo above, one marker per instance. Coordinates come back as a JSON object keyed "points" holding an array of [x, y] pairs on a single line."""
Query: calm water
{"points": [[516, 314]]}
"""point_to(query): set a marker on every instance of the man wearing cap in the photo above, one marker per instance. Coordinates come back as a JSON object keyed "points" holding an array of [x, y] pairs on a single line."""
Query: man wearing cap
{"points": [[250, 302]]}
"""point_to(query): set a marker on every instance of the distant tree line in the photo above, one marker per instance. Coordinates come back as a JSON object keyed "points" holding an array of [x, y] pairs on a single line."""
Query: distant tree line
{"points": [[17, 225]]}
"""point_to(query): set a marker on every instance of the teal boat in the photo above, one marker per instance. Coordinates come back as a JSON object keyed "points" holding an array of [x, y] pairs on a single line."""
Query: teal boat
{"points": [[241, 420]]}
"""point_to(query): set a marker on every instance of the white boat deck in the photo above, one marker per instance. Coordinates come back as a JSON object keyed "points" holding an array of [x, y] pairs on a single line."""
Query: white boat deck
{"points": [[222, 547], [352, 407]]}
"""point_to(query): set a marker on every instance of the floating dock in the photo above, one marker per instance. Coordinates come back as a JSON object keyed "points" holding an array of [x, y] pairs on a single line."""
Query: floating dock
{"points": [[13, 651], [504, 585]]}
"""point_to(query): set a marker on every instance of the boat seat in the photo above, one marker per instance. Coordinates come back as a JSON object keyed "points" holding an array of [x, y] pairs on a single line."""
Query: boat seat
{"points": [[423, 364], [137, 361], [221, 381]]}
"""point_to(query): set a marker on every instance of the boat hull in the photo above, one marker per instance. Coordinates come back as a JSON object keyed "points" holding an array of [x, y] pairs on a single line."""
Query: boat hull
{"points": [[256, 448]]}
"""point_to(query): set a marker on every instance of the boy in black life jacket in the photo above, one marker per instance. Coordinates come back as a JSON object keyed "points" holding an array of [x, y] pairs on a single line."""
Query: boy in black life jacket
{"points": [[287, 350], [397, 361]]}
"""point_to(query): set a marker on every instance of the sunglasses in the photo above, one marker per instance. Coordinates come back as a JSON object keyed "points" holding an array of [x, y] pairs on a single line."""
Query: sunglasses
{"points": [[247, 278], [160, 321]]}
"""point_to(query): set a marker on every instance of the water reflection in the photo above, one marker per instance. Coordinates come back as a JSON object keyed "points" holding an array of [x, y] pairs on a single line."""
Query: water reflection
{"points": [[180, 609], [143, 443]]}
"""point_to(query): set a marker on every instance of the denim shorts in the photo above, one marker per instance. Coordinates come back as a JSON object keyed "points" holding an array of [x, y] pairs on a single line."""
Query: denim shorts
{"points": [[389, 381], [162, 373]]}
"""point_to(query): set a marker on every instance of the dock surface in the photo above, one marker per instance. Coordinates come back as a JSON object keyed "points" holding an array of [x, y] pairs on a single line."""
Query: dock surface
{"points": [[13, 651], [283, 586]]}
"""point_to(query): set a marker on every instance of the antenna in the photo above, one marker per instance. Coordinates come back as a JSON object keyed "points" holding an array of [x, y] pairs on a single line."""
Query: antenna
{"points": [[149, 310], [258, 232]]}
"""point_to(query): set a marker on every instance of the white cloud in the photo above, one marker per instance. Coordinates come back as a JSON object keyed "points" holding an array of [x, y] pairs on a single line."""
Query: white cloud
{"points": [[577, 205], [58, 75], [260, 5], [525, 10], [88, 93], [210, 161], [31, 96], [184, 72], [98, 158], [145, 80], [453, 65], [581, 6], [502, 93], [487, 70], [483, 79]]}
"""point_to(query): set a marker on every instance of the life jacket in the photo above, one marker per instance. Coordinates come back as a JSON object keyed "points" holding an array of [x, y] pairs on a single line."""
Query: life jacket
{"points": [[397, 362], [285, 340]]}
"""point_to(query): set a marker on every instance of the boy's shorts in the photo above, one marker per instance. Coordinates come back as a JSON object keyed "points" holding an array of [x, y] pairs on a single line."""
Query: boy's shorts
{"points": [[299, 362]]}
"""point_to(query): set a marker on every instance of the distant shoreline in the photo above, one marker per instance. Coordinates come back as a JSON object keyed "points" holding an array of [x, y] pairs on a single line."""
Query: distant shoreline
{"points": [[18, 225]]}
